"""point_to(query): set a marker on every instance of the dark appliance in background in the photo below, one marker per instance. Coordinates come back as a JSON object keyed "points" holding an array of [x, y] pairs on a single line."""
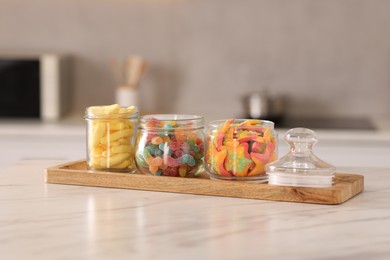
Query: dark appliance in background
{"points": [[20, 88], [34, 86], [260, 105]]}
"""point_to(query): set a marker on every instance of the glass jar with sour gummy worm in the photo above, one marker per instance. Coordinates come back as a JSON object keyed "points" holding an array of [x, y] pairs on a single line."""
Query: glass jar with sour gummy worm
{"points": [[239, 149]]}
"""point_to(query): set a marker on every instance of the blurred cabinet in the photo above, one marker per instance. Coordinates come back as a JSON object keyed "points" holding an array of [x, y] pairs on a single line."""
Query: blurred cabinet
{"points": [[37, 142]]}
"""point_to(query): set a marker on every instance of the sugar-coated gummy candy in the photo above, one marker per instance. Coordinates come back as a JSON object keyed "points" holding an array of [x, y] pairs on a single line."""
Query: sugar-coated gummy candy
{"points": [[182, 171], [168, 126], [153, 169], [157, 161], [187, 159], [171, 162], [193, 146], [175, 146], [141, 161], [178, 153], [157, 140], [151, 149], [171, 171], [163, 146]]}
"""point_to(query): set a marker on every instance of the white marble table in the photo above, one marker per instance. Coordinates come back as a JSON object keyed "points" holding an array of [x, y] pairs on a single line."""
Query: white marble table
{"points": [[49, 221]]}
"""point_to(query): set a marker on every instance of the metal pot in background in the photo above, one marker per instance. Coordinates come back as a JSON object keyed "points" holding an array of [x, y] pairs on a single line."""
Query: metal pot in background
{"points": [[260, 105]]}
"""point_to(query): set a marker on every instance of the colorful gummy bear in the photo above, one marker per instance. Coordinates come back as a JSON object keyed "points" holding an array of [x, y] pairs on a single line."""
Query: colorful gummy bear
{"points": [[170, 149], [240, 149]]}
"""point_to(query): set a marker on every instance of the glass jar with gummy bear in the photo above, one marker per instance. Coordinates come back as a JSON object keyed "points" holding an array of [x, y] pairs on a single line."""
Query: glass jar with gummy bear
{"points": [[170, 145], [111, 133], [239, 149]]}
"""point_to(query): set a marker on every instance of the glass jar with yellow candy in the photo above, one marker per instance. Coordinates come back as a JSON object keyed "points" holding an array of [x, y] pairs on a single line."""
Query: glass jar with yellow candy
{"points": [[111, 133], [239, 149]]}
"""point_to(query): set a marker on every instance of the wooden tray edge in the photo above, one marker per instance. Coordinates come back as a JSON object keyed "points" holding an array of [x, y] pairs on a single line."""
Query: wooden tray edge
{"points": [[348, 186]]}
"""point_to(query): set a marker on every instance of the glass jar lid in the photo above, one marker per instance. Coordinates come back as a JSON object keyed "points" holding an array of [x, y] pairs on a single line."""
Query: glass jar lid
{"points": [[300, 167]]}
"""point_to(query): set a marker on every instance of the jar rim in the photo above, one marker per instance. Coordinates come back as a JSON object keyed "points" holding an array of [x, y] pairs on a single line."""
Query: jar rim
{"points": [[172, 117], [88, 116], [182, 121], [114, 111], [264, 123]]}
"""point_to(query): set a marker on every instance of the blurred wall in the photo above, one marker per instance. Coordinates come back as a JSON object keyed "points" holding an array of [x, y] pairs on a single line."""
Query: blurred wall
{"points": [[329, 57]]}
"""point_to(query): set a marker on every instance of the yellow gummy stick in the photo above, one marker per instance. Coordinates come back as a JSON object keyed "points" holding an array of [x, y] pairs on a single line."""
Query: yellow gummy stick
{"points": [[117, 135], [98, 131], [114, 160], [118, 125], [122, 149], [122, 165]]}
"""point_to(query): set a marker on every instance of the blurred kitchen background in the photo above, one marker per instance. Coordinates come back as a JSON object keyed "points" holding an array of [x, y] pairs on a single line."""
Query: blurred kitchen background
{"points": [[318, 64], [327, 58]]}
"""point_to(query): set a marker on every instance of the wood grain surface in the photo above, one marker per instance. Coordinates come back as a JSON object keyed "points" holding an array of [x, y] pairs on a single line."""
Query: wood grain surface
{"points": [[345, 186]]}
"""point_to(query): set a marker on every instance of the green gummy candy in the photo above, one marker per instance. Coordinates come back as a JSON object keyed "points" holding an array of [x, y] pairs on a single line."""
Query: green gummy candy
{"points": [[159, 172], [164, 147], [198, 156], [159, 153], [140, 161], [188, 159], [151, 149], [193, 145], [168, 126], [196, 149], [146, 154], [191, 142]]}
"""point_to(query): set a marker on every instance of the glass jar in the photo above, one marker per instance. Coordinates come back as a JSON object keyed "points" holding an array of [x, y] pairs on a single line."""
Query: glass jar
{"points": [[170, 145], [111, 132], [239, 149]]}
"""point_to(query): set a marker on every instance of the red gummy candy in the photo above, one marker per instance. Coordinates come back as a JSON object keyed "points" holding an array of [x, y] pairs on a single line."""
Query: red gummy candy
{"points": [[270, 148], [258, 147], [174, 146], [150, 136], [171, 171], [223, 171], [178, 153], [261, 157], [245, 149], [220, 138], [153, 122], [171, 162], [185, 147], [179, 145], [246, 138], [199, 142]]}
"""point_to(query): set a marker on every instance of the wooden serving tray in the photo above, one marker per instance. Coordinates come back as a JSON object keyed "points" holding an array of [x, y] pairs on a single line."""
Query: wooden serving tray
{"points": [[345, 186]]}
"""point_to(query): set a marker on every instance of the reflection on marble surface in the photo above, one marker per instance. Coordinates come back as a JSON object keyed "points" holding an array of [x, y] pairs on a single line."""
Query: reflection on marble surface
{"points": [[48, 221]]}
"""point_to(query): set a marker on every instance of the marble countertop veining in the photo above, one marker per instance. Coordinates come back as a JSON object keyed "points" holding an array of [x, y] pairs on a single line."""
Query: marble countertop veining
{"points": [[48, 221]]}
